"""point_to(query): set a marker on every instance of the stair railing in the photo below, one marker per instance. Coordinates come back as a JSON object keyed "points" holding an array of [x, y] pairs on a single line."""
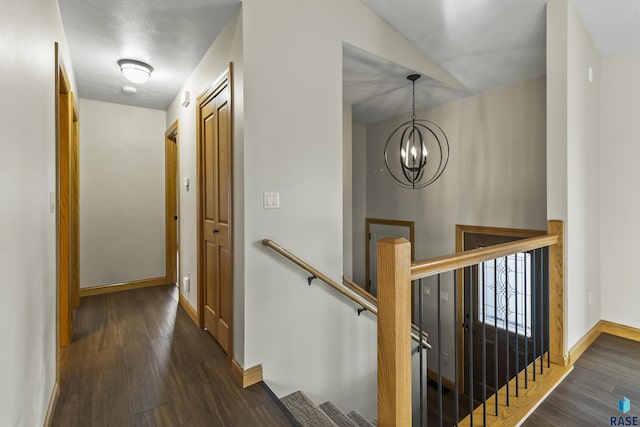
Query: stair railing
{"points": [[396, 273], [348, 288]]}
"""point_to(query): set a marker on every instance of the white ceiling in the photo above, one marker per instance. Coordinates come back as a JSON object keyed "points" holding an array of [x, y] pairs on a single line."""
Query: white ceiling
{"points": [[614, 25], [378, 88], [482, 43], [170, 35]]}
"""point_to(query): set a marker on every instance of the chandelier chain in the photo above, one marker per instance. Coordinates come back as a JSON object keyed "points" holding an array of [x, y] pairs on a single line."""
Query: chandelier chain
{"points": [[413, 111]]}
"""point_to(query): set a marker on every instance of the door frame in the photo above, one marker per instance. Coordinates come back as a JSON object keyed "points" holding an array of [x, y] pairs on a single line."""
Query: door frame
{"points": [[367, 237], [461, 230], [74, 200], [224, 79], [65, 115], [172, 204]]}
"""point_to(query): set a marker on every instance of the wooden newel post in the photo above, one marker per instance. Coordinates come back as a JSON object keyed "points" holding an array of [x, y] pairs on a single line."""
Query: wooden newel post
{"points": [[394, 333], [556, 294]]}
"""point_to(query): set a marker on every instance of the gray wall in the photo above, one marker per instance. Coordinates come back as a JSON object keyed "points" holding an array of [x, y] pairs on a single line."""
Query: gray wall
{"points": [[496, 177], [122, 232]]}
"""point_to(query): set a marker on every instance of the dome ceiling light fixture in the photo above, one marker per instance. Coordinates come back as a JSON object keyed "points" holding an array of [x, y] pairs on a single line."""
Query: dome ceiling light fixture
{"points": [[135, 71], [417, 151]]}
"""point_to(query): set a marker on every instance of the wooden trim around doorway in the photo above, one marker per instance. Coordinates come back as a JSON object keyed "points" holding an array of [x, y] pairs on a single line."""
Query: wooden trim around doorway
{"points": [[172, 204], [461, 230], [368, 221]]}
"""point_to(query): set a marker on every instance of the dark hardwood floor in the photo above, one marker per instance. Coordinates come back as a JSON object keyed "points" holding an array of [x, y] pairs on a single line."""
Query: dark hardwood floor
{"points": [[138, 360], [608, 371]]}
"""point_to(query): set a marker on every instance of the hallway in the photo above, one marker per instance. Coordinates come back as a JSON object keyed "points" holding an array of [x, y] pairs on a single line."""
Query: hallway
{"points": [[138, 360]]}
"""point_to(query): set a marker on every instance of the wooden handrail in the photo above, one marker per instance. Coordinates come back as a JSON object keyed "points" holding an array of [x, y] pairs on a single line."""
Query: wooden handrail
{"points": [[446, 263], [349, 293], [349, 289], [415, 331], [359, 290]]}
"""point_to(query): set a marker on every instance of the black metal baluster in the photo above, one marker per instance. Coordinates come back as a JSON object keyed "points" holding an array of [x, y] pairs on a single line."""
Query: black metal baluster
{"points": [[439, 359], [484, 349], [517, 326], [470, 342], [495, 329], [506, 321], [455, 344], [526, 326], [546, 299], [541, 320], [534, 283], [421, 350]]}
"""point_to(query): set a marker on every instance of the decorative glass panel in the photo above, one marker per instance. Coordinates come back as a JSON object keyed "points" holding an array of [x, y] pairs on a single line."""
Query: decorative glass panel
{"points": [[499, 284]]}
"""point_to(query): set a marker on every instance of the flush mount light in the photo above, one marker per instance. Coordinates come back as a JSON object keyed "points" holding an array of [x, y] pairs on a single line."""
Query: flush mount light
{"points": [[417, 151], [135, 71]]}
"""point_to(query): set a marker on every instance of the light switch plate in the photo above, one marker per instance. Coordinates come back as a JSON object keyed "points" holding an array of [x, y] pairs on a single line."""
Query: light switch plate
{"points": [[271, 200]]}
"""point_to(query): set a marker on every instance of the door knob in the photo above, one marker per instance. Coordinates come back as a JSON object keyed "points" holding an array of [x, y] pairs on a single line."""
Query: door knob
{"points": [[215, 231]]}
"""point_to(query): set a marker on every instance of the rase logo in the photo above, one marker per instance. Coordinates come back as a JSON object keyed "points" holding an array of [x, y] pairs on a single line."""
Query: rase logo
{"points": [[624, 406]]}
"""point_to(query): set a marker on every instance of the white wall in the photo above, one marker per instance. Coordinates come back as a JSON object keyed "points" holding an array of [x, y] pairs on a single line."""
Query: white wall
{"points": [[620, 150], [347, 192], [226, 48], [359, 200], [495, 177], [122, 203], [307, 338], [28, 30], [573, 166]]}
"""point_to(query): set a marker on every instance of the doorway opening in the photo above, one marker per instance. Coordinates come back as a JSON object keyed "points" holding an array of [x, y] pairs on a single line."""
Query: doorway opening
{"points": [[172, 204], [375, 230], [497, 299]]}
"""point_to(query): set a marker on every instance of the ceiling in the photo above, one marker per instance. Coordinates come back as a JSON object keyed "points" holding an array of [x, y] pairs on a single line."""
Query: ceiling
{"points": [[170, 35], [482, 43]]}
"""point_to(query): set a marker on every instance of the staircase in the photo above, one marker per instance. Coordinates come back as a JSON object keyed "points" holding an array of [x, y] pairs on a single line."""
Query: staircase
{"points": [[308, 414]]}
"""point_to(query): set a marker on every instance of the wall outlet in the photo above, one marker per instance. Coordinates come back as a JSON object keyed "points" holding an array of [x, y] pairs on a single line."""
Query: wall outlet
{"points": [[444, 296], [445, 358], [186, 283], [427, 291]]}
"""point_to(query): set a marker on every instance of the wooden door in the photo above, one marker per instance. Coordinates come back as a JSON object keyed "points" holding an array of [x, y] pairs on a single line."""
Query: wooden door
{"points": [[214, 121]]}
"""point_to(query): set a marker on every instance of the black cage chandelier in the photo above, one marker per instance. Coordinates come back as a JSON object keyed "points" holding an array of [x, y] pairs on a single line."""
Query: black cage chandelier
{"points": [[417, 151]]}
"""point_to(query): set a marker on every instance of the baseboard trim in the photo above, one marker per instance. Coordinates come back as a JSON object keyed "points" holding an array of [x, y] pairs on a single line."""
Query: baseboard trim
{"points": [[622, 331], [582, 345], [119, 287], [191, 312], [446, 382], [603, 327], [248, 377], [53, 400]]}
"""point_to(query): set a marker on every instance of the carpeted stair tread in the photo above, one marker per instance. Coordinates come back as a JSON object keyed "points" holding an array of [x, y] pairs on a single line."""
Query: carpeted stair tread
{"points": [[337, 416], [359, 419], [305, 411]]}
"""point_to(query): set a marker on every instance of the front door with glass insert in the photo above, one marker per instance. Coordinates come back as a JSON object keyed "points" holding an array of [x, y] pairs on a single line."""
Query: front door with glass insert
{"points": [[499, 307]]}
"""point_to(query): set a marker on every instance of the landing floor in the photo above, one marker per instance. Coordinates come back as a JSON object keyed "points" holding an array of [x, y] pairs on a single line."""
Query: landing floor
{"points": [[137, 359]]}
